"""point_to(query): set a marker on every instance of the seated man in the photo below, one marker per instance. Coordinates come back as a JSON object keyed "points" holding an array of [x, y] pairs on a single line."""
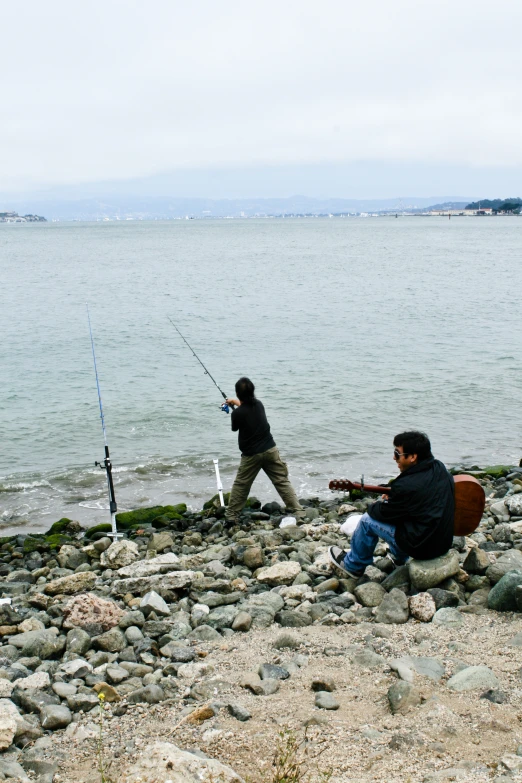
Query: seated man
{"points": [[416, 519]]}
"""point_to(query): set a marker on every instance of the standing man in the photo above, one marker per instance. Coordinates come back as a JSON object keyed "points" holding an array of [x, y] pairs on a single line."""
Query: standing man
{"points": [[258, 452], [416, 519]]}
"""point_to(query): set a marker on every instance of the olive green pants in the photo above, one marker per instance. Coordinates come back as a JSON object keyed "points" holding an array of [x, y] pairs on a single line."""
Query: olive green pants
{"points": [[277, 472]]}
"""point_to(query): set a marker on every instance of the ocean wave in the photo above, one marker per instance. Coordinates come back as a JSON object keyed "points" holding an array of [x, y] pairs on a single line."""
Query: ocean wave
{"points": [[23, 486]]}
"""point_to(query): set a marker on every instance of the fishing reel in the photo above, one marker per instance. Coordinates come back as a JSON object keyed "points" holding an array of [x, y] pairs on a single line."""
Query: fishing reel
{"points": [[225, 407]]}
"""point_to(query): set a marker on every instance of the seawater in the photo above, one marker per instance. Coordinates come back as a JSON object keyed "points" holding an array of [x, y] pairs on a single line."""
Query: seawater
{"points": [[352, 330]]}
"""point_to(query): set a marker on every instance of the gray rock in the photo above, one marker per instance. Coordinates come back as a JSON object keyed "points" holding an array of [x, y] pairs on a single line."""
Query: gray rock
{"points": [[370, 594], [64, 689], [78, 641], [269, 686], [502, 534], [448, 617], [271, 671], [129, 619], [12, 769], [209, 689], [509, 561], [294, 619], [393, 609], [239, 712], [473, 678], [42, 644], [477, 561], [204, 633], [429, 573], [55, 716], [110, 641], [152, 602], [82, 701], [178, 654], [325, 701], [368, 659], [150, 694], [34, 700], [133, 634], [426, 667], [262, 608], [502, 597], [242, 622], [402, 696], [399, 576], [221, 617], [115, 674]]}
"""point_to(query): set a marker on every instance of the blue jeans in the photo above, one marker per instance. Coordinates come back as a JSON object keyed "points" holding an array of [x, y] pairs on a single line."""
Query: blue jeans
{"points": [[364, 541]]}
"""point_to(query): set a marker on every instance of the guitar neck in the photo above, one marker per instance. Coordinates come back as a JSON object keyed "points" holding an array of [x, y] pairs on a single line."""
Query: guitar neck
{"points": [[345, 485]]}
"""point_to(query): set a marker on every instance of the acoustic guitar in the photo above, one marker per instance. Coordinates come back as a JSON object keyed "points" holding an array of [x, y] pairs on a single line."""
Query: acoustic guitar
{"points": [[470, 500]]}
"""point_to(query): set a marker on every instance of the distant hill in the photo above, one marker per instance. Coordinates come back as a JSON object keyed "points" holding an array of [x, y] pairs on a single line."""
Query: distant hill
{"points": [[497, 204], [121, 206]]}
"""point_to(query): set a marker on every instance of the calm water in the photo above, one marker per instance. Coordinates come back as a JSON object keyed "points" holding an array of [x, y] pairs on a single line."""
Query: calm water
{"points": [[352, 330]]}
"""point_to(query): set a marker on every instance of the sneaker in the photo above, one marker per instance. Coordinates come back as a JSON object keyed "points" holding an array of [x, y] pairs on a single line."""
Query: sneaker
{"points": [[337, 556]]}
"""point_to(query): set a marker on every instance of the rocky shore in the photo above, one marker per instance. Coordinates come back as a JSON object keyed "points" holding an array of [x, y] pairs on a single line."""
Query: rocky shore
{"points": [[187, 651]]}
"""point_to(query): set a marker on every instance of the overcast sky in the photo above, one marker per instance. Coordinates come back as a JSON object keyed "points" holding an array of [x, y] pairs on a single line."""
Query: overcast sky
{"points": [[121, 90]]}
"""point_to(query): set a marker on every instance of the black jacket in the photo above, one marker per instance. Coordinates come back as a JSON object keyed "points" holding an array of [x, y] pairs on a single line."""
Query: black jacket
{"points": [[254, 430], [421, 505]]}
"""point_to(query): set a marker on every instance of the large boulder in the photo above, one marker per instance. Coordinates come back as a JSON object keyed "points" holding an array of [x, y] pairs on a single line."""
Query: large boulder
{"points": [[163, 762], [429, 573], [74, 583], [279, 574], [119, 554], [92, 613], [503, 596]]}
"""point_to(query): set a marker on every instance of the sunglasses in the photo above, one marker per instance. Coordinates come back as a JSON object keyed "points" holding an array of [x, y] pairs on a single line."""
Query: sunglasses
{"points": [[397, 454]]}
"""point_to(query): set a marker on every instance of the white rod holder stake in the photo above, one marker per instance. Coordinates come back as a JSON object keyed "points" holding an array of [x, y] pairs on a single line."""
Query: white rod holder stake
{"points": [[219, 484], [114, 535]]}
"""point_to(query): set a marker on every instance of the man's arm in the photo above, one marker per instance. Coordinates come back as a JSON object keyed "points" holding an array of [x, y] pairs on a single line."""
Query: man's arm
{"points": [[393, 509], [234, 419]]}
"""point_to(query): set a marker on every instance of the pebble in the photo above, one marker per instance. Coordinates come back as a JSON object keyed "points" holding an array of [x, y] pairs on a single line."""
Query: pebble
{"points": [[325, 701]]}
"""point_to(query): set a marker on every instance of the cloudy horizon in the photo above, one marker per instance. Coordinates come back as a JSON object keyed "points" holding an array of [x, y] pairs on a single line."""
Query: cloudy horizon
{"points": [[335, 100]]}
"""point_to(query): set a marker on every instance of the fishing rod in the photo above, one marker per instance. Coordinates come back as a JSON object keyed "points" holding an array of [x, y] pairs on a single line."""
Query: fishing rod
{"points": [[225, 406], [106, 464]]}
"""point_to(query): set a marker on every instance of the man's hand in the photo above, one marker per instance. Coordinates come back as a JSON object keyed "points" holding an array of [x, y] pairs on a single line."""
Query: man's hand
{"points": [[233, 401]]}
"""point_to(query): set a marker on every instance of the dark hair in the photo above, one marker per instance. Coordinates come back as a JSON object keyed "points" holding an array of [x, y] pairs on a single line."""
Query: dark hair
{"points": [[245, 391], [414, 443]]}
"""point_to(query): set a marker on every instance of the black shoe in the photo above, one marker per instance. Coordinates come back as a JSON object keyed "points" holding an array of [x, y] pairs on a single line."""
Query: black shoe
{"points": [[337, 556]]}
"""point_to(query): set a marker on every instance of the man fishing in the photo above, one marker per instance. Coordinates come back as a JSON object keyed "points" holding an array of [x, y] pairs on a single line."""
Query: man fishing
{"points": [[258, 452], [416, 518]]}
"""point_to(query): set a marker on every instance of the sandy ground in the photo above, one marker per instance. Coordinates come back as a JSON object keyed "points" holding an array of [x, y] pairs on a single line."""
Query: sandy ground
{"points": [[450, 736]]}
